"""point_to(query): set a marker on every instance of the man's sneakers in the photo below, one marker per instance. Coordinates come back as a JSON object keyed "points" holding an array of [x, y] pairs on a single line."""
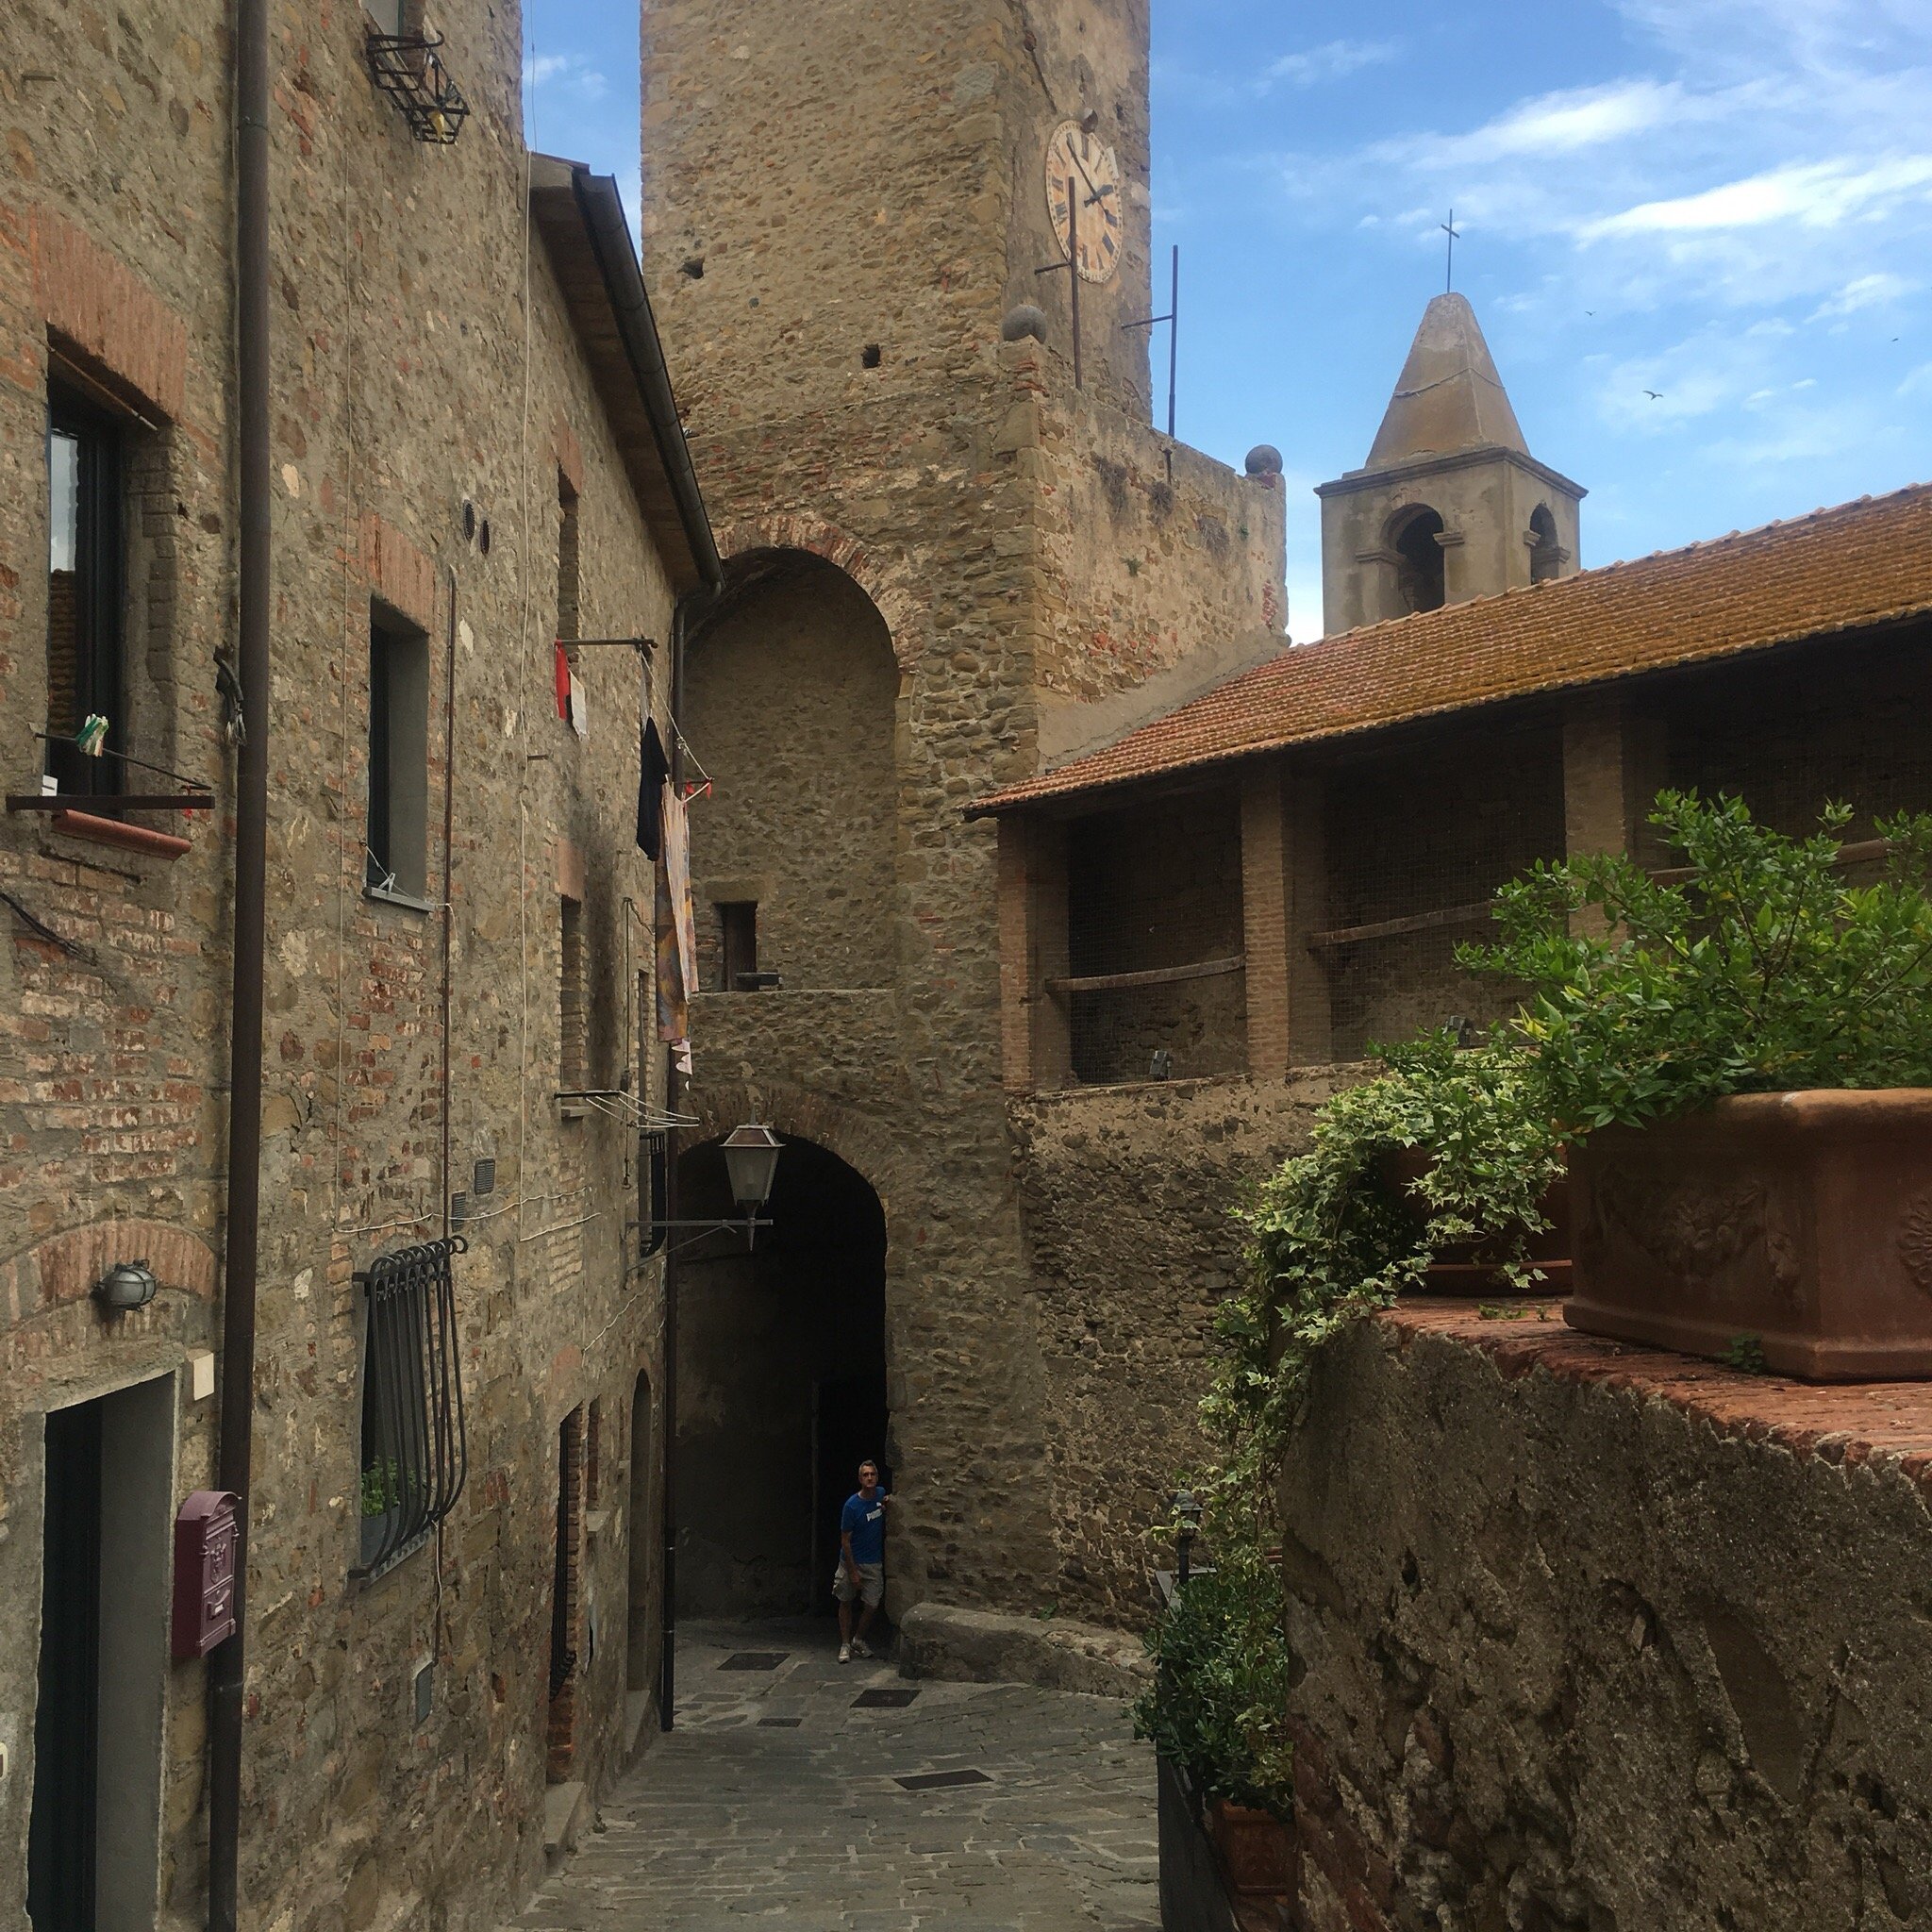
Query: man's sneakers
{"points": [[860, 1647], [844, 1653]]}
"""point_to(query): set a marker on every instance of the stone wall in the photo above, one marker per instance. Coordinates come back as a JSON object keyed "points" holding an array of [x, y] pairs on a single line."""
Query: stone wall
{"points": [[1128, 1196], [405, 382], [1595, 1637]]}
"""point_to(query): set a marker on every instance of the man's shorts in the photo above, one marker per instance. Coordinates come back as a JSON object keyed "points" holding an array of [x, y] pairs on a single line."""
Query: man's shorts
{"points": [[872, 1585]]}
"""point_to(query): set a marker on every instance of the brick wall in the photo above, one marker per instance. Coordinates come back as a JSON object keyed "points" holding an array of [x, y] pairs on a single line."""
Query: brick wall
{"points": [[401, 389]]}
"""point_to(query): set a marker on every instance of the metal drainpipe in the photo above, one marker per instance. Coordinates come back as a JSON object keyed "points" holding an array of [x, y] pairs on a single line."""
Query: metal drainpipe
{"points": [[225, 1673], [449, 809], [667, 1666]]}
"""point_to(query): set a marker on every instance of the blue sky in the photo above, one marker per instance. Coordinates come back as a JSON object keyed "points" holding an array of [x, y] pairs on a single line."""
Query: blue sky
{"points": [[1726, 201]]}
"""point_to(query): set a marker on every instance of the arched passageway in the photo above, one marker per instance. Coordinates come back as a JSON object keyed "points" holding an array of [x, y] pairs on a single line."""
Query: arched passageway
{"points": [[782, 1387]]}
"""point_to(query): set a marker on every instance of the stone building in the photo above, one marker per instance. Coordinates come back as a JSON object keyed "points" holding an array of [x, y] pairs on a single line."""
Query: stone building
{"points": [[1206, 925], [1450, 504], [472, 457], [946, 560]]}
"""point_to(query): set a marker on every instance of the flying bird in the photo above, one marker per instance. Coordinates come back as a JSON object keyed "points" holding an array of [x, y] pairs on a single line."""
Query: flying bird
{"points": [[1657, 395]]}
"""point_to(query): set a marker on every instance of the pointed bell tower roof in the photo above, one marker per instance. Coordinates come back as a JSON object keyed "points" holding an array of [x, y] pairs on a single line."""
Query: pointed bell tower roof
{"points": [[1450, 398]]}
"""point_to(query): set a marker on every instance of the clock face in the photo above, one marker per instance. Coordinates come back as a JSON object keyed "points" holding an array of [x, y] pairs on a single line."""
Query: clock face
{"points": [[1085, 162]]}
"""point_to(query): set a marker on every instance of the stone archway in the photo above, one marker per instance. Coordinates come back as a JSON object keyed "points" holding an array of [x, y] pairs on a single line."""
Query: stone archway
{"points": [[889, 584], [782, 1381]]}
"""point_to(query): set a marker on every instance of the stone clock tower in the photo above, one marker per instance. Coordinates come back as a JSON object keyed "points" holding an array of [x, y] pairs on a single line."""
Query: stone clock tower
{"points": [[947, 566]]}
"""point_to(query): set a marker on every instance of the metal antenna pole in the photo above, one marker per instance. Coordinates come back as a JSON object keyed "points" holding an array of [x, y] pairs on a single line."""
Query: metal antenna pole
{"points": [[1173, 339], [1173, 319], [1073, 269]]}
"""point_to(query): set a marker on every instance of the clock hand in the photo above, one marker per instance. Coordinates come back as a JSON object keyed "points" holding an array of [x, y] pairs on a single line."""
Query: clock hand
{"points": [[1098, 195]]}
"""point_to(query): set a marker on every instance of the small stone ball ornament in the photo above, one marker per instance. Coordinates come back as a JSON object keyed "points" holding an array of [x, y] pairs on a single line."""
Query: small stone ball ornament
{"points": [[1264, 459], [1024, 320]]}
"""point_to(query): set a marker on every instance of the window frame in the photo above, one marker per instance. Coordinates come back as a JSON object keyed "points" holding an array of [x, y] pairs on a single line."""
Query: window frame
{"points": [[396, 789], [100, 575], [738, 942]]}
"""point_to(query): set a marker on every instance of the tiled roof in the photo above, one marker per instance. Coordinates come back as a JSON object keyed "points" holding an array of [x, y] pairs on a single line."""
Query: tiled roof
{"points": [[1860, 563]]}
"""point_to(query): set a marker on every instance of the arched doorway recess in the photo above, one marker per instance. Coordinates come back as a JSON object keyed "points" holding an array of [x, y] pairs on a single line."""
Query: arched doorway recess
{"points": [[782, 1382]]}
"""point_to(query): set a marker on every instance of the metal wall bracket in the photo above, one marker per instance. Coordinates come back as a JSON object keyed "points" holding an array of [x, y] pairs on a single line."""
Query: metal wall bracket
{"points": [[408, 69]]}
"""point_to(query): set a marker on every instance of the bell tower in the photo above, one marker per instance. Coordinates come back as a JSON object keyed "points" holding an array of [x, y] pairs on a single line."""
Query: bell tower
{"points": [[1450, 504]]}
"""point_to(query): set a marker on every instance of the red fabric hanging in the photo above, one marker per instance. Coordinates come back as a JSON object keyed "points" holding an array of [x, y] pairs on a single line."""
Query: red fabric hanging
{"points": [[562, 682]]}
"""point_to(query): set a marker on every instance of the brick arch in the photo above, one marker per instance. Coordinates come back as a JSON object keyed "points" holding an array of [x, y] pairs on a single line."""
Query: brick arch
{"points": [[65, 1267], [858, 1139], [891, 594]]}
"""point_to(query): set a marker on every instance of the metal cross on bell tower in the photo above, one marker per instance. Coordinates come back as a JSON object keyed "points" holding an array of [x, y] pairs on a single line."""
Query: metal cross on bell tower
{"points": [[1455, 234]]}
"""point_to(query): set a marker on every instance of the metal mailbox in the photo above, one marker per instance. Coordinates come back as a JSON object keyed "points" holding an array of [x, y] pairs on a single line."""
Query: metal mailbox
{"points": [[207, 1533]]}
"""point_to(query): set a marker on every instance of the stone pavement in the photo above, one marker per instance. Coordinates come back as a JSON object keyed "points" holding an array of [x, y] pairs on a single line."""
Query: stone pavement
{"points": [[776, 1801]]}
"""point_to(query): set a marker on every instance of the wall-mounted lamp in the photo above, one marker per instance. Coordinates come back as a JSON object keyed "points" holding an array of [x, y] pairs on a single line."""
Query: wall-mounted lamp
{"points": [[127, 1286], [751, 1162]]}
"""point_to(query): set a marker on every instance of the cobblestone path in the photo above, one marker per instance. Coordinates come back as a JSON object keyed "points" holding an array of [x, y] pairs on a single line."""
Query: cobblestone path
{"points": [[777, 1800]]}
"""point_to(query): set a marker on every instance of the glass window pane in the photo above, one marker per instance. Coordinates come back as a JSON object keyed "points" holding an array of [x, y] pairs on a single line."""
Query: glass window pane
{"points": [[63, 498]]}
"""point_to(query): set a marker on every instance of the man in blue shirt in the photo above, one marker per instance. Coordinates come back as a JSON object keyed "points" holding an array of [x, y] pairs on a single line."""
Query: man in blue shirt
{"points": [[861, 1576]]}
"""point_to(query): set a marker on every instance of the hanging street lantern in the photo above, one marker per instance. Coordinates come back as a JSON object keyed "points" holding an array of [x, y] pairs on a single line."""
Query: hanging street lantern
{"points": [[751, 1162]]}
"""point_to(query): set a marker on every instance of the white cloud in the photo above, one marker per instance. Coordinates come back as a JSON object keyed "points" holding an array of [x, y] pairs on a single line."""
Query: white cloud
{"points": [[1820, 194], [565, 73], [1865, 291], [1555, 124], [1332, 61]]}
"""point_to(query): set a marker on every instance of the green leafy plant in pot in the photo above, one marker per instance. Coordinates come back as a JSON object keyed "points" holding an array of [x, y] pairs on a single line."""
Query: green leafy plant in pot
{"points": [[1742, 1046]]}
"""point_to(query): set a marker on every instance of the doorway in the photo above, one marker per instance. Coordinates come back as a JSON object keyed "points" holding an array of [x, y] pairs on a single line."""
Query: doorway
{"points": [[566, 1576], [641, 1662], [93, 1839], [782, 1389]]}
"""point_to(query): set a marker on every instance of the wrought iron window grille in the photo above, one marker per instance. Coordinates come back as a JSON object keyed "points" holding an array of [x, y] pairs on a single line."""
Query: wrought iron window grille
{"points": [[414, 1453], [408, 69]]}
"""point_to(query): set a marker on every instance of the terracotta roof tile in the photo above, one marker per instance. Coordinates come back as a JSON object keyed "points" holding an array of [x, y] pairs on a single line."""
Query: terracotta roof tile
{"points": [[1860, 563]]}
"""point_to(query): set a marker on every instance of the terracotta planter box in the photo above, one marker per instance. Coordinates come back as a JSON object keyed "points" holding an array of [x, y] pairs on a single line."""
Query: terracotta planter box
{"points": [[1468, 1269], [1802, 1219], [1255, 1849]]}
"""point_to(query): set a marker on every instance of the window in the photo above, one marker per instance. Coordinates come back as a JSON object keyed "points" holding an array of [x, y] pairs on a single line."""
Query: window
{"points": [[398, 758], [1419, 570], [573, 1003], [84, 590], [391, 16], [738, 943], [414, 1457], [568, 579]]}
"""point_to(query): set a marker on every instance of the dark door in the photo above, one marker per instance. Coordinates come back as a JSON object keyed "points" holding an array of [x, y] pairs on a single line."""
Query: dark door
{"points": [[851, 1430], [60, 1842]]}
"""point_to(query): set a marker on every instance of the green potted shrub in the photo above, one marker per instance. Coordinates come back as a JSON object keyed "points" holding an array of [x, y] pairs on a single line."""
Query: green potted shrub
{"points": [[1741, 1050], [1217, 1710]]}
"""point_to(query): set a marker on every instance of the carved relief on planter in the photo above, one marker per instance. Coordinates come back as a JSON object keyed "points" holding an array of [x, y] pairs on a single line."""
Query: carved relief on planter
{"points": [[1695, 1232], [1915, 1241], [1802, 1220]]}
